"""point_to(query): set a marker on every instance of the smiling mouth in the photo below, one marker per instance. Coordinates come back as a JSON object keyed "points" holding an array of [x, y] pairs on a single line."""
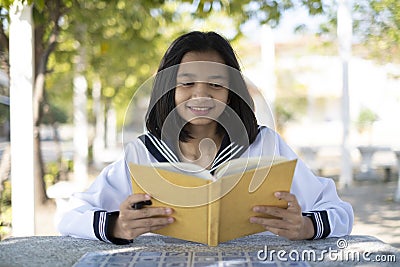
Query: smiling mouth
{"points": [[200, 108], [200, 111]]}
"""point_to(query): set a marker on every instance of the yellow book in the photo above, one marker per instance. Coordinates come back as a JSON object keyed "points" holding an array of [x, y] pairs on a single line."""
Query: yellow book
{"points": [[211, 209]]}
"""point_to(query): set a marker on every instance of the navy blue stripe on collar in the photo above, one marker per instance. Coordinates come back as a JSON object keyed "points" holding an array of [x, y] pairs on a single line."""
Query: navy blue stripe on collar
{"points": [[159, 149], [228, 151], [163, 153]]}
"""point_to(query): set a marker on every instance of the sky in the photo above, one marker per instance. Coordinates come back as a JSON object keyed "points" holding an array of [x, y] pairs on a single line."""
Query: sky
{"points": [[285, 30]]}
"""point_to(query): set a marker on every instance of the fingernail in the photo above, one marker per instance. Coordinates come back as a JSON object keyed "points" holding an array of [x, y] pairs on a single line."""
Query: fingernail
{"points": [[170, 220], [278, 194], [252, 220], [168, 211], [146, 196], [256, 209]]}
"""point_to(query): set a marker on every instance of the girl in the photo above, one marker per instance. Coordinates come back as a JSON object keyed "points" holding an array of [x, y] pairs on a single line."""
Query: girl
{"points": [[200, 111]]}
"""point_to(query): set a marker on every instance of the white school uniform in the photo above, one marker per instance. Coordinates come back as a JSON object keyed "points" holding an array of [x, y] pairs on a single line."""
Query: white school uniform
{"points": [[91, 212]]}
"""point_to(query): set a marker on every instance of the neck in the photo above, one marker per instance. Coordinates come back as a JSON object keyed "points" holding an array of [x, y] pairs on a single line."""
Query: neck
{"points": [[199, 132], [202, 148]]}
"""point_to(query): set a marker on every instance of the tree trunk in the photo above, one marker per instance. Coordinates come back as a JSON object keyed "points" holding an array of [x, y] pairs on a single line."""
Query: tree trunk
{"points": [[40, 187], [43, 49]]}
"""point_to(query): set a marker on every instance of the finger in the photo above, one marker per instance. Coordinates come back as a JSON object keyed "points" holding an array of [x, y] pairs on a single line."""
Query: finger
{"points": [[135, 198], [150, 223], [274, 211], [127, 204], [150, 212], [285, 195], [290, 198], [139, 231], [279, 227], [138, 227], [274, 223]]}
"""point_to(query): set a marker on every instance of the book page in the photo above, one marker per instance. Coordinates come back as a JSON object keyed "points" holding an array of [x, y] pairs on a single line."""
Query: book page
{"points": [[184, 168], [240, 165]]}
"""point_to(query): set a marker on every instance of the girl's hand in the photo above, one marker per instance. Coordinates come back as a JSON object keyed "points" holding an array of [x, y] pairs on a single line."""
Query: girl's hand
{"points": [[132, 223], [292, 224]]}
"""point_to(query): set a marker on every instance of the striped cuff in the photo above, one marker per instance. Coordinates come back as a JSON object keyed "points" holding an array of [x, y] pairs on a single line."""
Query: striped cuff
{"points": [[103, 222], [320, 222]]}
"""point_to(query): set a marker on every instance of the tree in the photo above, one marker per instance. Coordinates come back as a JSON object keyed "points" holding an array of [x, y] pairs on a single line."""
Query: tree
{"points": [[376, 28], [123, 42], [377, 25], [47, 15]]}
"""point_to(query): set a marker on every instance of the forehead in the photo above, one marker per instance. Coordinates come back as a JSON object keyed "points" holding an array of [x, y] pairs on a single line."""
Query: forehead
{"points": [[211, 56], [202, 64]]}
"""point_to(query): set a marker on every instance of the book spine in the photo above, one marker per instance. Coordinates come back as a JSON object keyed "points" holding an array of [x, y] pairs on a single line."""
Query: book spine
{"points": [[214, 214]]}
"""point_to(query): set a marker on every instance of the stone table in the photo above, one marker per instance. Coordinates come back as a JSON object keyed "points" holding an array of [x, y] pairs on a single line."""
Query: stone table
{"points": [[367, 153], [255, 250]]}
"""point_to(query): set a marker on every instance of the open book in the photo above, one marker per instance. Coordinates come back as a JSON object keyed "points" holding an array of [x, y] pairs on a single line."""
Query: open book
{"points": [[211, 209]]}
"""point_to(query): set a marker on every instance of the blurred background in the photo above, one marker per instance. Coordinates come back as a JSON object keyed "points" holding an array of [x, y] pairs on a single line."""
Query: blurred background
{"points": [[329, 70]]}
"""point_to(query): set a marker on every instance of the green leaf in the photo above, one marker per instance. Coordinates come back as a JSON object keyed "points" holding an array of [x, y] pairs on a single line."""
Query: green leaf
{"points": [[39, 4]]}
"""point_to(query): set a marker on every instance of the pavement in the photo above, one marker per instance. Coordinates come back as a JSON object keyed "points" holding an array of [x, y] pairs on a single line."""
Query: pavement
{"points": [[376, 214], [375, 211]]}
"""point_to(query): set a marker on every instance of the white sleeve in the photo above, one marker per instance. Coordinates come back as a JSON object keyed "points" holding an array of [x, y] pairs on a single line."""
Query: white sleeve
{"points": [[318, 199], [89, 213]]}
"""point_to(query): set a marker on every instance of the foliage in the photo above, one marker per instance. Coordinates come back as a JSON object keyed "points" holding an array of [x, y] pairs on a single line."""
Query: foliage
{"points": [[291, 97], [365, 119], [119, 41], [124, 47], [377, 24], [289, 109], [376, 28], [52, 113], [5, 210], [124, 40], [5, 113], [54, 171]]}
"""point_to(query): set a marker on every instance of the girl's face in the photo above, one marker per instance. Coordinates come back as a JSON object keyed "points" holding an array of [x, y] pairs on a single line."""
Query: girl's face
{"points": [[201, 93]]}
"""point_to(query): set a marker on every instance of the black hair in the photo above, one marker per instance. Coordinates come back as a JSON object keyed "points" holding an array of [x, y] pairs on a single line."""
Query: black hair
{"points": [[162, 101]]}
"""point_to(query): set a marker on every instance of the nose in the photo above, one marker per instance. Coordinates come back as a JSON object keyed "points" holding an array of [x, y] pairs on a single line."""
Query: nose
{"points": [[200, 89]]}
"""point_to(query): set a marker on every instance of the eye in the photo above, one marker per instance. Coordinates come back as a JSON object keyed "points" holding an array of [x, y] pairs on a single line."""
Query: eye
{"points": [[186, 84], [215, 85]]}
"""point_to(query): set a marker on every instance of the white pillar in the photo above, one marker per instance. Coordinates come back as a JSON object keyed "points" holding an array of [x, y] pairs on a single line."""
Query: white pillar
{"points": [[80, 124], [21, 119], [268, 74], [344, 32]]}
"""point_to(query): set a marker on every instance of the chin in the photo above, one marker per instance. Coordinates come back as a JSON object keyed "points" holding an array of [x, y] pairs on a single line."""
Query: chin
{"points": [[201, 121]]}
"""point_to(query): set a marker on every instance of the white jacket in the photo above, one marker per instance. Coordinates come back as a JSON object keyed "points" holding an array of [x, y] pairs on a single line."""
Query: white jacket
{"points": [[90, 211]]}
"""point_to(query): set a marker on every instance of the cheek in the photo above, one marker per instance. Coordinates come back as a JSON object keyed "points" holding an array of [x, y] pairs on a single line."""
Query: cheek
{"points": [[179, 97], [223, 97]]}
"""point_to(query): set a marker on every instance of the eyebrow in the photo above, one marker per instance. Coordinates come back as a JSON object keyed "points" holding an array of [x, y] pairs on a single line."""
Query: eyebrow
{"points": [[185, 74], [192, 75]]}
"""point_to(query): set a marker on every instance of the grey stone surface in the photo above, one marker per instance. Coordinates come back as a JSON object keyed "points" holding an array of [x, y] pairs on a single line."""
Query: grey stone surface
{"points": [[66, 251]]}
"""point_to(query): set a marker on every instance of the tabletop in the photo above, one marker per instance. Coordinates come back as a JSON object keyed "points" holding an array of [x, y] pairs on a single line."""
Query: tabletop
{"points": [[156, 250]]}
